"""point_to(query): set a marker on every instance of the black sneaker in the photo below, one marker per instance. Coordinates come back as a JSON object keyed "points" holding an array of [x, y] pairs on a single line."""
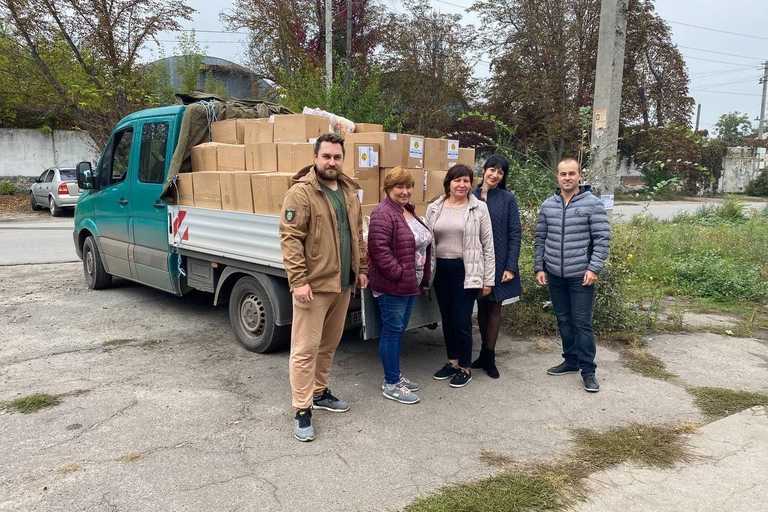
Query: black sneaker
{"points": [[460, 379], [590, 383], [562, 369], [446, 372], [328, 402], [302, 426]]}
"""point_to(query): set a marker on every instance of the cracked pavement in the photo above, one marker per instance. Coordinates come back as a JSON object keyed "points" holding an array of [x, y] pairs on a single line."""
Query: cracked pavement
{"points": [[163, 410]]}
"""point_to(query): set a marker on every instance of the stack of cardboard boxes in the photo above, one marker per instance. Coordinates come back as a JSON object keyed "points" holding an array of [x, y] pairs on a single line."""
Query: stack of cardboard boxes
{"points": [[249, 165]]}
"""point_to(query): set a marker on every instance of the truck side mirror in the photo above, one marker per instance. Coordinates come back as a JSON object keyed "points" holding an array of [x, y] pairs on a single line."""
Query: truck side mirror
{"points": [[85, 179]]}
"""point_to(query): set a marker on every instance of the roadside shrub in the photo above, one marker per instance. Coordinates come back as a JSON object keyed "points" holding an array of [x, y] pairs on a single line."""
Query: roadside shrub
{"points": [[7, 188], [758, 186], [711, 276], [730, 211]]}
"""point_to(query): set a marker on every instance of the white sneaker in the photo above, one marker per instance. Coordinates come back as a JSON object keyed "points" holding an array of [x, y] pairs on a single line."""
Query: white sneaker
{"points": [[399, 393]]}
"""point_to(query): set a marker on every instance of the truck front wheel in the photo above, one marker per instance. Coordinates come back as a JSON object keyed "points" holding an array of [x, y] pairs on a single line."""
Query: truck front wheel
{"points": [[95, 275], [252, 316]]}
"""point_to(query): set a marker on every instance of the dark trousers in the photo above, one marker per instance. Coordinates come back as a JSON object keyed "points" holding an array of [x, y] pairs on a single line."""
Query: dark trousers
{"points": [[573, 303], [456, 304]]}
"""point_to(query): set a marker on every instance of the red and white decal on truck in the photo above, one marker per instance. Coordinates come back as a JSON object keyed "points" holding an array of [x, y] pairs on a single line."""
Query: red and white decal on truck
{"points": [[179, 225]]}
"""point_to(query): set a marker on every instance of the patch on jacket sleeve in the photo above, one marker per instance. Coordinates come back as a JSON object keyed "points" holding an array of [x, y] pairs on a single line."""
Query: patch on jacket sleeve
{"points": [[290, 215]]}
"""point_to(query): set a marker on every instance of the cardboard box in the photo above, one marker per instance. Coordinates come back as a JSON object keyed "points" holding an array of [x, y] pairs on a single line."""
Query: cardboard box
{"points": [[231, 157], [368, 181], [207, 191], [434, 185], [440, 154], [294, 156], [236, 192], [257, 130], [269, 190], [224, 131], [418, 186], [395, 149], [421, 209], [368, 127], [184, 189], [466, 157], [367, 210], [261, 157], [205, 157], [299, 127], [360, 157]]}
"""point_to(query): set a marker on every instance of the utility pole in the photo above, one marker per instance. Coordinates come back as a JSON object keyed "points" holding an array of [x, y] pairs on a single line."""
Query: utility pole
{"points": [[607, 98], [328, 44], [764, 81], [698, 118]]}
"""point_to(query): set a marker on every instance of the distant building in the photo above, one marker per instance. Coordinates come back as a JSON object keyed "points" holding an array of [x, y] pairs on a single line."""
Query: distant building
{"points": [[239, 81]]}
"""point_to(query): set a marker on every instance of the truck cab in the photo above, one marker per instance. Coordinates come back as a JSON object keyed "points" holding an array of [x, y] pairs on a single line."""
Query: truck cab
{"points": [[120, 208]]}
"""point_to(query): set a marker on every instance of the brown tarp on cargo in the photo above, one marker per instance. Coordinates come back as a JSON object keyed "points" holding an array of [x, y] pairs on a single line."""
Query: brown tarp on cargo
{"points": [[202, 109]]}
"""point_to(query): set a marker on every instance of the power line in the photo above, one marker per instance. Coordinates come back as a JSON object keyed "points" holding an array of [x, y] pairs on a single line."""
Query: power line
{"points": [[711, 60], [731, 72], [743, 80], [204, 41], [721, 31], [718, 53], [734, 93]]}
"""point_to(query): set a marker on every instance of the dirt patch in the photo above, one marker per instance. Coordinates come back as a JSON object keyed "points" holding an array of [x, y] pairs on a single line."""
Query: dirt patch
{"points": [[17, 203]]}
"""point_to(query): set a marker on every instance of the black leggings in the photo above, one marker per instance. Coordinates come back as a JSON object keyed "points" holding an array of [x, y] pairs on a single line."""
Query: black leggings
{"points": [[456, 304], [489, 322]]}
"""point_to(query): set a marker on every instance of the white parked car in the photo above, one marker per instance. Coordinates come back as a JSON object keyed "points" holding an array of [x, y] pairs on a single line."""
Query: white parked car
{"points": [[55, 189]]}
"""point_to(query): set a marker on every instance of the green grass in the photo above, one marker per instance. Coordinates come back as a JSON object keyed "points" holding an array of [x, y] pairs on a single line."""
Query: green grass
{"points": [[559, 486], [32, 403], [721, 402], [639, 360]]}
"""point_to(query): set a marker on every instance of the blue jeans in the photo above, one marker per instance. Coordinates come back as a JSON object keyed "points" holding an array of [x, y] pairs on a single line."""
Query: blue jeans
{"points": [[573, 303], [394, 314]]}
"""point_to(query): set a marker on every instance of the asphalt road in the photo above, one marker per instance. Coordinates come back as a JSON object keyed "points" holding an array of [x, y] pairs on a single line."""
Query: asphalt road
{"points": [[36, 241]]}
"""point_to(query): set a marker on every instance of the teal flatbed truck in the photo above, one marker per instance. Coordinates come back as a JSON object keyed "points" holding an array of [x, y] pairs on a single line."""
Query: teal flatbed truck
{"points": [[125, 227]]}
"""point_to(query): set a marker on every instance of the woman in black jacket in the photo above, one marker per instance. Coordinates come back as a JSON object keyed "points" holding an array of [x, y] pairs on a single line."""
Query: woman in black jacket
{"points": [[505, 221]]}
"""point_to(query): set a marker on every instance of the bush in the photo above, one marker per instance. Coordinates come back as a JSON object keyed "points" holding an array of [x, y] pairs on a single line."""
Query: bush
{"points": [[730, 211], [712, 276], [758, 186], [7, 188]]}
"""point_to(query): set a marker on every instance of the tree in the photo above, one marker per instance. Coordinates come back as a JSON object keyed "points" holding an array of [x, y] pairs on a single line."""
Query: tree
{"points": [[190, 61], [427, 56], [543, 69], [733, 127], [289, 35], [103, 41], [348, 97], [655, 85]]}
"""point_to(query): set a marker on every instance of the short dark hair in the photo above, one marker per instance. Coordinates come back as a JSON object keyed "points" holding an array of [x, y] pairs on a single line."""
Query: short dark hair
{"points": [[499, 162], [332, 138], [457, 171], [568, 159]]}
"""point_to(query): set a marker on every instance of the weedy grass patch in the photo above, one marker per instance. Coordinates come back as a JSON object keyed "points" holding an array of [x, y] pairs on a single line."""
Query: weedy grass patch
{"points": [[32, 403], [720, 402]]}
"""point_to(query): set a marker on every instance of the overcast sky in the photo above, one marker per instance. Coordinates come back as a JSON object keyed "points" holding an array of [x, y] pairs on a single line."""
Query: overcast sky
{"points": [[724, 68]]}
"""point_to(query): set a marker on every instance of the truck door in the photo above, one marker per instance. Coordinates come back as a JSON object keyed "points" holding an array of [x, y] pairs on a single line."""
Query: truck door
{"points": [[148, 214], [111, 203]]}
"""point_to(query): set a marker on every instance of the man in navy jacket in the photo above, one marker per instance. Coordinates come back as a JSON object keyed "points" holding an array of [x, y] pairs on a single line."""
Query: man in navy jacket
{"points": [[571, 246]]}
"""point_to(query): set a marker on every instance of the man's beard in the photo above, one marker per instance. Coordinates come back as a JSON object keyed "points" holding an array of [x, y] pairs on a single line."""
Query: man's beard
{"points": [[327, 173]]}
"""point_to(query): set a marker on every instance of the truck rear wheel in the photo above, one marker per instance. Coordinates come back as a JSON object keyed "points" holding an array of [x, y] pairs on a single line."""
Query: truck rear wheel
{"points": [[252, 316], [95, 275]]}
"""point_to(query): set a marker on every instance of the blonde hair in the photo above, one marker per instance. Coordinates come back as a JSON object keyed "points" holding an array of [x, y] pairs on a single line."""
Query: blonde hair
{"points": [[397, 176]]}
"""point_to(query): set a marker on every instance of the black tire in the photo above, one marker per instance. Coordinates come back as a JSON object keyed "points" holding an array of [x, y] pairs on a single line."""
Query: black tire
{"points": [[252, 316], [33, 203], [55, 210], [95, 275]]}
